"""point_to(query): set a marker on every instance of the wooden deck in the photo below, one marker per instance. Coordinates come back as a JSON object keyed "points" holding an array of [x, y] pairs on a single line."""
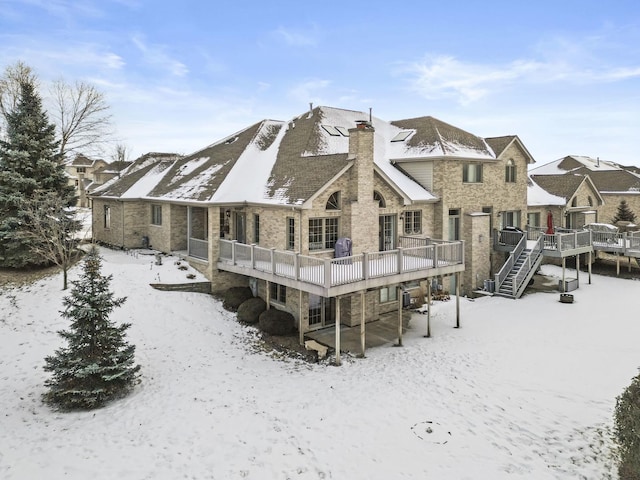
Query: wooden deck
{"points": [[330, 277]]}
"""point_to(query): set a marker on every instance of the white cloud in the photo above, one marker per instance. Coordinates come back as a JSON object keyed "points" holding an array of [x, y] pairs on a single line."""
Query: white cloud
{"points": [[466, 82], [155, 55], [308, 91], [296, 39]]}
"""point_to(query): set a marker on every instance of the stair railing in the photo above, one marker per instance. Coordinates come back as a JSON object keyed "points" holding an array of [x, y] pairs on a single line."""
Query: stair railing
{"points": [[523, 272], [508, 265]]}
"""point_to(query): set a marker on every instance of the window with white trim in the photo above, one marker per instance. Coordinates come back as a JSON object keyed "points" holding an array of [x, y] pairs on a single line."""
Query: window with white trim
{"points": [[334, 201], [278, 293], [107, 216], [291, 233], [323, 233], [412, 222], [388, 294]]}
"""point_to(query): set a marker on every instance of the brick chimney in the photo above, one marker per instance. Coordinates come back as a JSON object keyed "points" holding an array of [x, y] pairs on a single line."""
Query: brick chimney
{"points": [[364, 211]]}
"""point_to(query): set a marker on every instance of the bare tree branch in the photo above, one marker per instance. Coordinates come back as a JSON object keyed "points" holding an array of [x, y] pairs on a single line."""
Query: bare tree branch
{"points": [[82, 117], [14, 75], [55, 229]]}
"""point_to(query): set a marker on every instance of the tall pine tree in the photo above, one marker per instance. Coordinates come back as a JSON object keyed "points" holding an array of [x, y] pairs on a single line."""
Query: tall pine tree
{"points": [[28, 163], [98, 363]]}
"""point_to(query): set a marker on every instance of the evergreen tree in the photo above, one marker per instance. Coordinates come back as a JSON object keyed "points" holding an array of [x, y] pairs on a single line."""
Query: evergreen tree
{"points": [[98, 363], [624, 213], [28, 163]]}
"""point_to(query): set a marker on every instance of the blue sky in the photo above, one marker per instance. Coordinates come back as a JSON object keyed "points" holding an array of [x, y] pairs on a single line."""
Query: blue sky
{"points": [[563, 75]]}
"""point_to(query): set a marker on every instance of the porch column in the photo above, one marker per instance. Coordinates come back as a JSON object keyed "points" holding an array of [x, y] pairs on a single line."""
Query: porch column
{"points": [[188, 231], [338, 331], [362, 324], [590, 259], [617, 264], [428, 335], [457, 300], [399, 296]]}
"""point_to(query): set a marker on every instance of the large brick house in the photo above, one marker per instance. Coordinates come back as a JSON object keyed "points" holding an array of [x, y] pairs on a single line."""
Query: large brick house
{"points": [[271, 206]]}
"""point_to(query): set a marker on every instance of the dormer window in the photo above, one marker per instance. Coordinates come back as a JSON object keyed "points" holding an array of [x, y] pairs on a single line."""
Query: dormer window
{"points": [[377, 197], [334, 201]]}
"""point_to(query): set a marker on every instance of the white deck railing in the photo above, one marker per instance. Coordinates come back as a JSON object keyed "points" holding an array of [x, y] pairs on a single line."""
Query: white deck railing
{"points": [[331, 272]]}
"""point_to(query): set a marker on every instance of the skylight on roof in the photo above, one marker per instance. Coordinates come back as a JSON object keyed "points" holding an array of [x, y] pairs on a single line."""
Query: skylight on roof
{"points": [[331, 130], [343, 131], [402, 136]]}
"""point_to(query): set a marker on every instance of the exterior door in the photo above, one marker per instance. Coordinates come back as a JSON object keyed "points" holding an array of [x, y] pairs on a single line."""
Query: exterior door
{"points": [[322, 311], [387, 233], [241, 227]]}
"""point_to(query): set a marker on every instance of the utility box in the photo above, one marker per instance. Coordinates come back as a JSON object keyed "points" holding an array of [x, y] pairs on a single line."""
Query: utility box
{"points": [[406, 299], [570, 284], [490, 286]]}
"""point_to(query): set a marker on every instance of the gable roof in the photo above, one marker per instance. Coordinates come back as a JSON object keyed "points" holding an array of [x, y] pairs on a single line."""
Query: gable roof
{"points": [[501, 145], [565, 186], [571, 163], [538, 196], [608, 177]]}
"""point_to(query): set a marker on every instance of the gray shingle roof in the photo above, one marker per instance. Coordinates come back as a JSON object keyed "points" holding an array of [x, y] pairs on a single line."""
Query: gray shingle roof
{"points": [[287, 163], [559, 185], [434, 135]]}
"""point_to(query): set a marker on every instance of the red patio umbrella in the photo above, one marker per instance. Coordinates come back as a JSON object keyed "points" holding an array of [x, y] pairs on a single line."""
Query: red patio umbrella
{"points": [[549, 223]]}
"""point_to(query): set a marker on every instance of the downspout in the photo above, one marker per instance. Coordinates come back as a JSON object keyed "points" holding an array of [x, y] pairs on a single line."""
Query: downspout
{"points": [[123, 246]]}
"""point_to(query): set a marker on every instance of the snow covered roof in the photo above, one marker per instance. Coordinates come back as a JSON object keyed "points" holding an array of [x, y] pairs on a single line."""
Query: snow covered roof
{"points": [[288, 162], [538, 196], [562, 186], [608, 177], [572, 162]]}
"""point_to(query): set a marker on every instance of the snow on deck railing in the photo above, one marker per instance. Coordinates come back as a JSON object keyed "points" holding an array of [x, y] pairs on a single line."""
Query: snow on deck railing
{"points": [[330, 272]]}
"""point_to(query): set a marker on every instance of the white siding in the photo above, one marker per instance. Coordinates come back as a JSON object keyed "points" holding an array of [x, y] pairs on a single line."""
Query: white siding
{"points": [[421, 172]]}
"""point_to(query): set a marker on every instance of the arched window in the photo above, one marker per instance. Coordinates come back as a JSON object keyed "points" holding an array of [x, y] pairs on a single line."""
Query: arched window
{"points": [[377, 197], [334, 201], [574, 202], [590, 200], [510, 171]]}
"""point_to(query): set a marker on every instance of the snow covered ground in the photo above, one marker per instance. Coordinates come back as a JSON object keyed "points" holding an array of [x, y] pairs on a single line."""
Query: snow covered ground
{"points": [[524, 390]]}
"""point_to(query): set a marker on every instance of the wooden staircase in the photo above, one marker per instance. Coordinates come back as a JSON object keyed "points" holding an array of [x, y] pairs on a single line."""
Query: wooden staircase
{"points": [[519, 268]]}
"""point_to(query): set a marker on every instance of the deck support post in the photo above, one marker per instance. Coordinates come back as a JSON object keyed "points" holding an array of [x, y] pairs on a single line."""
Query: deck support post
{"points": [[300, 329], [338, 362], [617, 264], [428, 335], [399, 296], [362, 325], [267, 295], [578, 270], [590, 260], [564, 285], [457, 277]]}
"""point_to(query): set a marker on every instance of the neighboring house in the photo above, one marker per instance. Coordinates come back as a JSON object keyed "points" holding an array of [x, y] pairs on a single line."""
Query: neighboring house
{"points": [[272, 205], [572, 199], [80, 172], [614, 182]]}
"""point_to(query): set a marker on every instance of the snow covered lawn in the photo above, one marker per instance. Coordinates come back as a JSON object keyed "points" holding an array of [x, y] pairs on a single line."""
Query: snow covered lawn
{"points": [[525, 389]]}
